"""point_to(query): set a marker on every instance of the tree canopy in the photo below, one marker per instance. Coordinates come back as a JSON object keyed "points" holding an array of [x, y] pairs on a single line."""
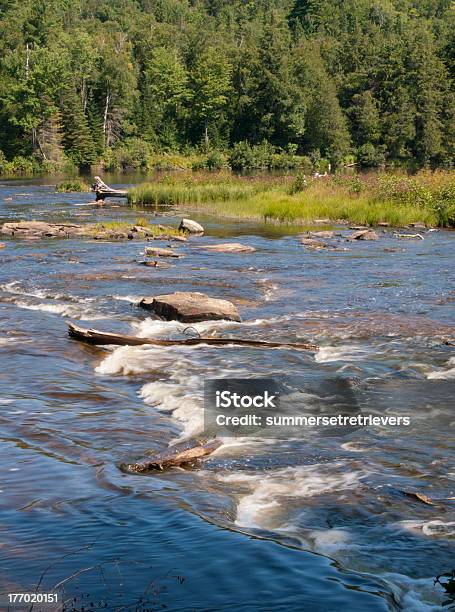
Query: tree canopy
{"points": [[366, 78]]}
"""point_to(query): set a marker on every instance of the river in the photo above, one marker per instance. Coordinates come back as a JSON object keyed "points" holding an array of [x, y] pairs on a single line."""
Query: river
{"points": [[315, 522]]}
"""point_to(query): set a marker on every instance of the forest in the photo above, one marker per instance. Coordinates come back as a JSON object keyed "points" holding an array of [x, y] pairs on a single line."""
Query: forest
{"points": [[240, 82]]}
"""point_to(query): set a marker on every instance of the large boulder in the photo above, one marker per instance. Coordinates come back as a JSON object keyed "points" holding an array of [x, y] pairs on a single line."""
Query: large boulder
{"points": [[229, 247], [190, 307], [190, 226]]}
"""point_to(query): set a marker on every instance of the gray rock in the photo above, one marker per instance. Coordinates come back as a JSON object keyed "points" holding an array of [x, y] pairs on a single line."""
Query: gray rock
{"points": [[364, 234], [190, 226], [311, 243], [156, 252], [229, 247], [190, 307], [322, 234]]}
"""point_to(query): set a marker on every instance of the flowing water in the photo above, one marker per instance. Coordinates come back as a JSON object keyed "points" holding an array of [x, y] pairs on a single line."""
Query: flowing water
{"points": [[314, 522]]}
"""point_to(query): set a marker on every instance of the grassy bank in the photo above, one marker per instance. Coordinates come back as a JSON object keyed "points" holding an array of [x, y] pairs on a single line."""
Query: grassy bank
{"points": [[395, 199]]}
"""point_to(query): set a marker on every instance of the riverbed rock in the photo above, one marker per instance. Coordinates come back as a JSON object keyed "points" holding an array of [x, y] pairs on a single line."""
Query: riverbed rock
{"points": [[190, 226], [97, 231], [322, 234], [2, 245], [40, 228], [311, 243], [157, 252], [364, 234], [191, 307], [229, 247]]}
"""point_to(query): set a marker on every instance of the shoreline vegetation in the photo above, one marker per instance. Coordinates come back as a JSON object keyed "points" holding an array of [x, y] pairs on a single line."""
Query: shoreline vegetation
{"points": [[372, 199]]}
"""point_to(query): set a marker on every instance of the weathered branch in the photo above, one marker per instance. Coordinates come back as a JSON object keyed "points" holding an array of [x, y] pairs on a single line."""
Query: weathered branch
{"points": [[93, 336], [180, 454]]}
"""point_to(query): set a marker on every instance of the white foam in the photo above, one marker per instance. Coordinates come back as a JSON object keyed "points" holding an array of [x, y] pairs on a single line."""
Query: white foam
{"points": [[329, 541], [444, 374], [415, 594], [149, 328], [346, 352], [272, 490], [435, 527], [178, 388], [353, 447], [66, 310], [134, 299]]}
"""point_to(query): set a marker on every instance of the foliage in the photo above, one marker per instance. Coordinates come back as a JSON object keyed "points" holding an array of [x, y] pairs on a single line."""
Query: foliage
{"points": [[72, 186], [251, 157], [265, 84]]}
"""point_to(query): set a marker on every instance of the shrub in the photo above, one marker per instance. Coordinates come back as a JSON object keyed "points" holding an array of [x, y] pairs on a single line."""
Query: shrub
{"points": [[403, 190], [215, 160], [444, 205], [251, 157], [299, 184]]}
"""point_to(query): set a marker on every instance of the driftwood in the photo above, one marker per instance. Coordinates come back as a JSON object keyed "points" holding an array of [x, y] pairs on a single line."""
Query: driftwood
{"points": [[419, 236], [185, 453], [103, 191], [93, 336]]}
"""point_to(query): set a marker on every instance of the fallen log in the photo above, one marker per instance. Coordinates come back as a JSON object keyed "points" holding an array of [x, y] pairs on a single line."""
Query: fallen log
{"points": [[103, 191], [93, 336], [188, 452]]}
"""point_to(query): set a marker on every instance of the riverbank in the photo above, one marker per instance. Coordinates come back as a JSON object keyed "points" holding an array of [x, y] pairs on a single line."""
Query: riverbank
{"points": [[397, 200]]}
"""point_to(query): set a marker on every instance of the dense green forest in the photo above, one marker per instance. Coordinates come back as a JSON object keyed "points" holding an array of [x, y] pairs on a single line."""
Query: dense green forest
{"points": [[84, 81]]}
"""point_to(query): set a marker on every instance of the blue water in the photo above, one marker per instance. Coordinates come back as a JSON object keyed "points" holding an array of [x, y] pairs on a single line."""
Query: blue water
{"points": [[317, 522]]}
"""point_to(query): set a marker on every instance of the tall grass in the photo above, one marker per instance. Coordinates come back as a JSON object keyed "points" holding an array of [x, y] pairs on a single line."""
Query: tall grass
{"points": [[368, 200], [190, 191]]}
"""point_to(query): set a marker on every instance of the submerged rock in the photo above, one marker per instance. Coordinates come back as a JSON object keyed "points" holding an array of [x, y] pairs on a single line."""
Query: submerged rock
{"points": [[191, 307], [322, 234], [156, 252], [190, 226], [229, 247], [311, 243]]}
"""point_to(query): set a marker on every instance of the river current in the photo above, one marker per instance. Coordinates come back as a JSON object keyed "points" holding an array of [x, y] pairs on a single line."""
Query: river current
{"points": [[318, 521]]}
